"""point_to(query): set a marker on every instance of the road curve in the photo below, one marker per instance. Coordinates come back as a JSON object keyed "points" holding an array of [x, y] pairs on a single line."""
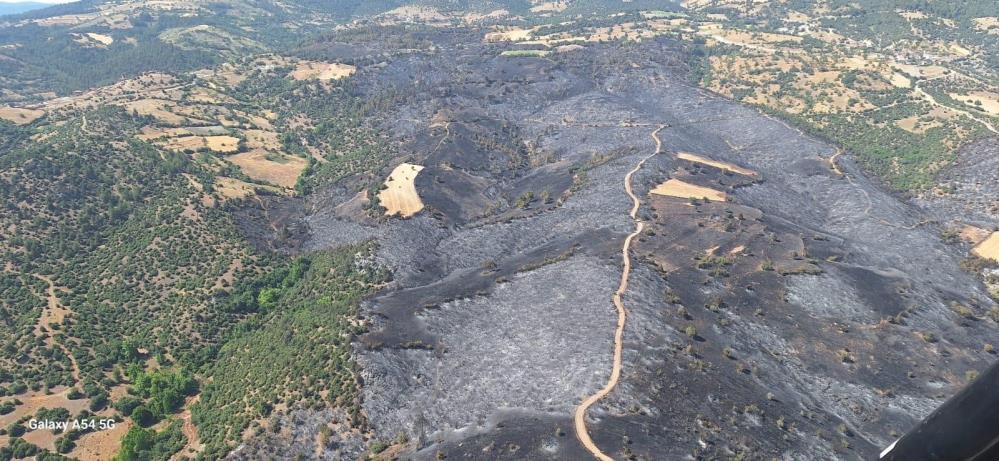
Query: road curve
{"points": [[579, 418], [53, 301]]}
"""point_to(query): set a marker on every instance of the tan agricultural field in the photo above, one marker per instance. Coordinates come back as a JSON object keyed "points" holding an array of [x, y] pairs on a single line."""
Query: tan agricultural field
{"points": [[680, 189], [989, 100], [278, 169], [899, 80], [989, 248], [149, 133], [20, 116], [542, 6], [412, 13], [156, 108], [66, 20], [514, 34], [260, 139], [399, 195], [223, 144], [322, 71], [100, 38], [921, 71], [232, 188], [715, 163]]}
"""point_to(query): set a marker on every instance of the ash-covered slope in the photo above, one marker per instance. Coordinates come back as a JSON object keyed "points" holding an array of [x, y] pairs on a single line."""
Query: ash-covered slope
{"points": [[811, 315]]}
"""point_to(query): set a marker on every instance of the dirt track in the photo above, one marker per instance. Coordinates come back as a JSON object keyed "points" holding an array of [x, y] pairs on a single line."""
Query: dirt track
{"points": [[579, 417], [54, 305]]}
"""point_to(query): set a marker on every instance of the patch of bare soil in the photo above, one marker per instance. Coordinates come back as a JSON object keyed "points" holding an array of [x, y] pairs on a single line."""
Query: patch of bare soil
{"points": [[322, 71], [193, 445], [101, 445], [680, 189], [399, 196], [989, 248], [231, 188], [20, 116], [986, 101], [277, 169], [32, 401], [716, 163], [223, 144]]}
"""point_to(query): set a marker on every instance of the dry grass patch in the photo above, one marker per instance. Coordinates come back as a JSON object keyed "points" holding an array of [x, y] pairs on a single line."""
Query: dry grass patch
{"points": [[208, 96], [514, 34], [921, 71], [100, 38], [829, 76], [41, 438], [757, 40], [150, 133], [549, 7], [413, 13], [715, 163], [973, 235], [910, 15], [479, 17], [849, 100], [399, 195], [900, 81], [67, 20], [156, 108], [232, 188], [827, 36], [278, 169], [322, 71], [989, 248], [959, 50], [32, 401], [54, 314], [680, 189], [101, 445], [20, 116], [261, 122], [93, 40], [986, 100], [916, 124], [988, 24], [260, 139], [223, 144]]}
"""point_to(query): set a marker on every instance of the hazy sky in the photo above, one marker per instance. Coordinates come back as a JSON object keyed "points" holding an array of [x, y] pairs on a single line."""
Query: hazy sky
{"points": [[38, 1]]}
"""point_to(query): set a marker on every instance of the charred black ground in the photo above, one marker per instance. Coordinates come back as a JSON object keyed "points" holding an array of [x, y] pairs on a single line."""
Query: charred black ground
{"points": [[811, 315]]}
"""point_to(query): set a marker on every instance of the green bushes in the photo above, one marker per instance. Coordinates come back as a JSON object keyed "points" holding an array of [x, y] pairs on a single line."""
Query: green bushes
{"points": [[291, 352], [161, 392], [127, 404], [148, 445]]}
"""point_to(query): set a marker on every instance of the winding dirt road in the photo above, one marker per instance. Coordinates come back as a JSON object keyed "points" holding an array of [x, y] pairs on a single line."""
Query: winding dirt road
{"points": [[53, 307], [930, 99], [579, 418]]}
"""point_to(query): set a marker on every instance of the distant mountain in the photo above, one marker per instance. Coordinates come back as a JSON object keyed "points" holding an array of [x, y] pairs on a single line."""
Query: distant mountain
{"points": [[20, 7]]}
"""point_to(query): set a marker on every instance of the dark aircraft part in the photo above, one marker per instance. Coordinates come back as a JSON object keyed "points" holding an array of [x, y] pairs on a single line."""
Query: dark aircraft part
{"points": [[964, 428]]}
